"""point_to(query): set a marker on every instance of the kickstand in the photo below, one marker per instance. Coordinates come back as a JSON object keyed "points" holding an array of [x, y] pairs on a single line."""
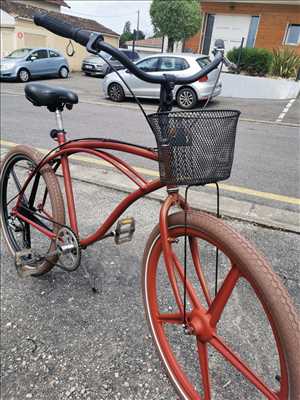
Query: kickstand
{"points": [[91, 278]]}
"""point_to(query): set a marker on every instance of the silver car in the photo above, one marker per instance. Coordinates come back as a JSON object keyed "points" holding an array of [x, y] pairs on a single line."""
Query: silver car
{"points": [[96, 66], [23, 64], [177, 64]]}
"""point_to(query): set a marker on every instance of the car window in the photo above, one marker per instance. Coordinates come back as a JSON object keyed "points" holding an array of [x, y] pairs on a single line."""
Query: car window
{"points": [[132, 55], [53, 54], [149, 65], [20, 53], [104, 55], [203, 61], [39, 54], [173, 64]]}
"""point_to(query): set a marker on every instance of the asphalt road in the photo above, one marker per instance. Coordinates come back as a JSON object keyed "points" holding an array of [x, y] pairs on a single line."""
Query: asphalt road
{"points": [[61, 341], [267, 155]]}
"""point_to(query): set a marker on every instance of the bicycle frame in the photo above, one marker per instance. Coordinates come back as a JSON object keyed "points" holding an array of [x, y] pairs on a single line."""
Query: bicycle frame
{"points": [[96, 148]]}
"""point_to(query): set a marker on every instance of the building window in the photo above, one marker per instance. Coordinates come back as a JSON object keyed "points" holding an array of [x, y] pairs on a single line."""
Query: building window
{"points": [[252, 31], [293, 35]]}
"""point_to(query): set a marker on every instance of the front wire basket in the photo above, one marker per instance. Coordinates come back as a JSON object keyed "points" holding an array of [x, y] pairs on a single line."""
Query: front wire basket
{"points": [[195, 147]]}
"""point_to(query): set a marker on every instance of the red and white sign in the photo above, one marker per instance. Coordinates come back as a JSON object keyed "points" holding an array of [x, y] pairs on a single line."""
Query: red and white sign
{"points": [[20, 35]]}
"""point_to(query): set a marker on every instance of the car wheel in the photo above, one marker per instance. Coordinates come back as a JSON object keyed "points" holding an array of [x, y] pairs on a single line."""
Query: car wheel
{"points": [[116, 92], [186, 98], [63, 72], [23, 75]]}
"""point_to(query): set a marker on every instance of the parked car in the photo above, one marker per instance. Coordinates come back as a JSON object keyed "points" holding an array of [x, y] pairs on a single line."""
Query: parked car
{"points": [[183, 64], [96, 66], [24, 64]]}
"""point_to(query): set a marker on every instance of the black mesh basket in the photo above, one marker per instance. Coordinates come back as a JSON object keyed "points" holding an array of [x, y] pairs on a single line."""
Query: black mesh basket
{"points": [[195, 147]]}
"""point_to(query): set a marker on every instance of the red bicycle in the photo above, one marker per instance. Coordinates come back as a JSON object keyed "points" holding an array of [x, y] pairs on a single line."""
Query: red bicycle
{"points": [[191, 326]]}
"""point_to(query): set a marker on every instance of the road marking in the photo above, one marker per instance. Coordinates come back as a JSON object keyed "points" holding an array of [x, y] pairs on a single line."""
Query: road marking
{"points": [[285, 110], [152, 173], [149, 108]]}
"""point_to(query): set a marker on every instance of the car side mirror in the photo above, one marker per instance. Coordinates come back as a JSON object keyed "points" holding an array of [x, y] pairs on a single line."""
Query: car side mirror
{"points": [[32, 58], [127, 71]]}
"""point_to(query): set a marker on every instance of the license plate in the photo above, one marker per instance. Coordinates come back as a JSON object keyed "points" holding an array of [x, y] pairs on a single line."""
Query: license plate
{"points": [[88, 67]]}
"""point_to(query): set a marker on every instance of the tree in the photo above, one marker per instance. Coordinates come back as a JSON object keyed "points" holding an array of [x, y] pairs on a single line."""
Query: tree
{"points": [[177, 19], [127, 34], [127, 27], [139, 35]]}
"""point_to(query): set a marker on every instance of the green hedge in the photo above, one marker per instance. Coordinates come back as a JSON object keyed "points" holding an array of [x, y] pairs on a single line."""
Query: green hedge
{"points": [[253, 61]]}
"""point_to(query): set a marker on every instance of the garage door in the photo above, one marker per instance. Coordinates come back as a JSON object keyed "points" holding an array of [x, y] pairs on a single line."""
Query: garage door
{"points": [[34, 40], [230, 28]]}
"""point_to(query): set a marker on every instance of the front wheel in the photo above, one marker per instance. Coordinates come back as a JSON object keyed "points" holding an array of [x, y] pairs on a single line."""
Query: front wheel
{"points": [[242, 343], [23, 75], [42, 200]]}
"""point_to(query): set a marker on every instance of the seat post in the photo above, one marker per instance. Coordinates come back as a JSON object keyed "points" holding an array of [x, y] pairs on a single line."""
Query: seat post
{"points": [[59, 120]]}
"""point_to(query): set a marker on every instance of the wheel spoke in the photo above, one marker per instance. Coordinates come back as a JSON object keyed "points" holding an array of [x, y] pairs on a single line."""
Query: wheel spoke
{"points": [[204, 368], [241, 366], [172, 318], [189, 288], [223, 295], [34, 190], [176, 292], [198, 268], [18, 185]]}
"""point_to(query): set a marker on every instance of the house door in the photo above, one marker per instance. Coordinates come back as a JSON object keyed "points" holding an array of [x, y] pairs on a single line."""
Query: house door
{"points": [[230, 28]]}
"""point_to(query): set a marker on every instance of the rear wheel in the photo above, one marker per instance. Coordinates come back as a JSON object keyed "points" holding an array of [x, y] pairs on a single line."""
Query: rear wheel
{"points": [[186, 98], [46, 202], [239, 340], [116, 92], [63, 72], [23, 75]]}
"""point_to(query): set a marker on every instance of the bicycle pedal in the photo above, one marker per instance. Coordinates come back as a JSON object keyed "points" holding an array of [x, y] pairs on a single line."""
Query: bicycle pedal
{"points": [[125, 230], [24, 261]]}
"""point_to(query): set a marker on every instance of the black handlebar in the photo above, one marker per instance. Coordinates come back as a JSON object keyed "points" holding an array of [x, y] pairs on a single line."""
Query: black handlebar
{"points": [[83, 37], [61, 28]]}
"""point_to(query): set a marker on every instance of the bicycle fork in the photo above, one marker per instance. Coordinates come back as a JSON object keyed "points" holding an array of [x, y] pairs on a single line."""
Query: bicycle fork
{"points": [[174, 265]]}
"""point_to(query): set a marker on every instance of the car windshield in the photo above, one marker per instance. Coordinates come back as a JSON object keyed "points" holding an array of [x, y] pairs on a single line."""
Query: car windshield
{"points": [[104, 55], [20, 53], [203, 61]]}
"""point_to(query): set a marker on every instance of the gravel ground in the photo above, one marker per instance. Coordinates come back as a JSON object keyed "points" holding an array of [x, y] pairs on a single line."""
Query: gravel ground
{"points": [[62, 341]]}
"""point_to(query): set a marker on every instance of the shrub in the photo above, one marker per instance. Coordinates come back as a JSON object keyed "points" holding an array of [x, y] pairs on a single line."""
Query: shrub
{"points": [[286, 63], [253, 61]]}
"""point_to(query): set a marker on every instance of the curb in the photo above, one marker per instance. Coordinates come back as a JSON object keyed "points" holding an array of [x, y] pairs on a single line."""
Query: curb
{"points": [[266, 216]]}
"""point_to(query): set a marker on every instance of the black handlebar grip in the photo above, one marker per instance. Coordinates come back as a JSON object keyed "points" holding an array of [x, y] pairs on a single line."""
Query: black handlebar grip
{"points": [[62, 28]]}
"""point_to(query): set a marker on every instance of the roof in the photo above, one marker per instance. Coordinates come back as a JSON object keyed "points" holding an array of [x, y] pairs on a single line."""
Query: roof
{"points": [[185, 55], [24, 11], [59, 3], [271, 2], [153, 42]]}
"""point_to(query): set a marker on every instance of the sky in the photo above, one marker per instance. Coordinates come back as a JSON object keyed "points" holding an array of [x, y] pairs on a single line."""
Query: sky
{"points": [[113, 13]]}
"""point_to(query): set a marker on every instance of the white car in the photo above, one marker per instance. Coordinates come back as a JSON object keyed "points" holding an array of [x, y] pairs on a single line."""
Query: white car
{"points": [[182, 65]]}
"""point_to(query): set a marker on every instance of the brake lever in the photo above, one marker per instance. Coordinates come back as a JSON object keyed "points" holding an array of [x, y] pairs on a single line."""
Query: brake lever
{"points": [[94, 37]]}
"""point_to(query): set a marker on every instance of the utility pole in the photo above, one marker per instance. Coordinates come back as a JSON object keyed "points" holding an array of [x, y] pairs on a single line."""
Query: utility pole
{"points": [[136, 31]]}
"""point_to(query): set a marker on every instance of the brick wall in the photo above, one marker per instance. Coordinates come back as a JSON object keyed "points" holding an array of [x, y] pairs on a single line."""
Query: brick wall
{"points": [[274, 20]]}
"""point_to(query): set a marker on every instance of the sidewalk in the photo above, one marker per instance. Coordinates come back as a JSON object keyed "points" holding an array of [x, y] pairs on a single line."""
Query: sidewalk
{"points": [[60, 341]]}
